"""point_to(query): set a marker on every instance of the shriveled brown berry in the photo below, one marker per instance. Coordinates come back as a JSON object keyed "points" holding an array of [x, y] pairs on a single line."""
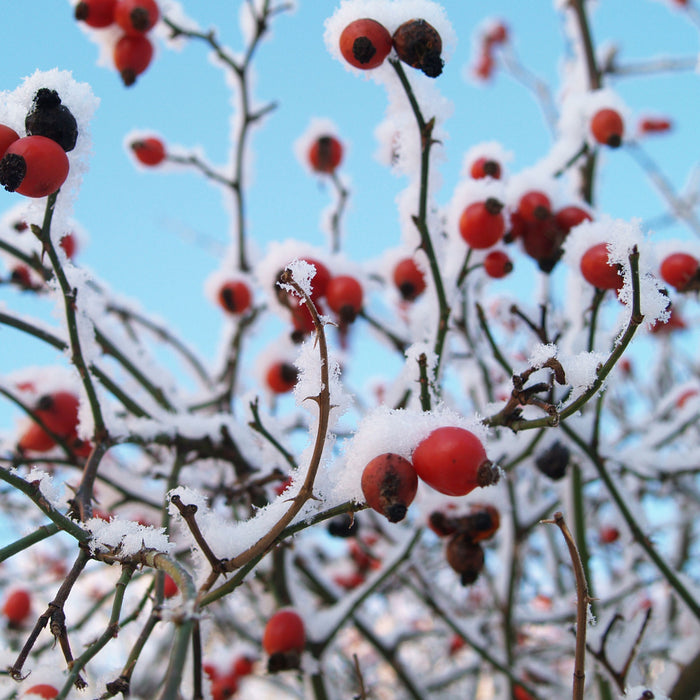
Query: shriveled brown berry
{"points": [[419, 44], [389, 485], [465, 556]]}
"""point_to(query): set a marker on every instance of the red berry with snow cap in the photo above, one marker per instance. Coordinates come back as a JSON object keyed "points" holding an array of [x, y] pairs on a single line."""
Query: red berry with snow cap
{"points": [[534, 206], [485, 167], [42, 690], [409, 279]]}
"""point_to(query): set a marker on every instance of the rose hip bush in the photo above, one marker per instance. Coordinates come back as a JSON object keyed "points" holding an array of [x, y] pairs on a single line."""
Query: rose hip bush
{"points": [[278, 533]]}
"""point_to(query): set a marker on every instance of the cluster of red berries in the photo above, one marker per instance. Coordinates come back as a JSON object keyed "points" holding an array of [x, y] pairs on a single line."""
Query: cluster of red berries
{"points": [[451, 460], [495, 36], [283, 640], [365, 43], [540, 231], [36, 165], [464, 552], [133, 51], [225, 684], [58, 412]]}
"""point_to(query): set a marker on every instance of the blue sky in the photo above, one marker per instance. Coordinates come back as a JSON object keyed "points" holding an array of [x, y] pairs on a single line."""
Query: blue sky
{"points": [[156, 236]]}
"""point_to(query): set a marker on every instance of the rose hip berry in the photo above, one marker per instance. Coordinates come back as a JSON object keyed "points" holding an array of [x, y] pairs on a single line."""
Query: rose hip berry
{"points": [[325, 154], [453, 461], [235, 297], [34, 166], [596, 269], [389, 485], [365, 43], [7, 137], [607, 127], [48, 117], [409, 279], [132, 55], [534, 206], [465, 556], [170, 588], [482, 224], [136, 16], [680, 270], [149, 151], [345, 295], [42, 690], [497, 264], [59, 413], [282, 377], [419, 44], [485, 167], [567, 217], [284, 639], [17, 606], [97, 14]]}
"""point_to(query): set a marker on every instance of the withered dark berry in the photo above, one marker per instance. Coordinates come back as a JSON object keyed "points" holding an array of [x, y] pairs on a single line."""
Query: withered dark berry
{"points": [[48, 117], [344, 525], [465, 556], [554, 461], [418, 43]]}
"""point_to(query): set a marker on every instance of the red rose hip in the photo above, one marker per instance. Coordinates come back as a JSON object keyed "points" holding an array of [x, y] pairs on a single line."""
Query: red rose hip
{"points": [[607, 127], [596, 269], [453, 461], [325, 154], [149, 151], [365, 43], [34, 166]]}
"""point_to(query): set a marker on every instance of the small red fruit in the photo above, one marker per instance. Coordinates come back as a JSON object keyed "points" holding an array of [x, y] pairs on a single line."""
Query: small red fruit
{"points": [[224, 687], [7, 136], [281, 377], [235, 297], [96, 13], [485, 167], [170, 588], [607, 127], [419, 44], [59, 412], [609, 534], [534, 206], [498, 34], [497, 264], [519, 693], [136, 16], [652, 125], [345, 295], [132, 55], [243, 666], [325, 154], [319, 282], [568, 217], [409, 279], [69, 245], [596, 269], [484, 65], [284, 634], [34, 166], [43, 690], [149, 151], [465, 556], [456, 643], [680, 270], [453, 461], [482, 224], [365, 43], [389, 485], [17, 606]]}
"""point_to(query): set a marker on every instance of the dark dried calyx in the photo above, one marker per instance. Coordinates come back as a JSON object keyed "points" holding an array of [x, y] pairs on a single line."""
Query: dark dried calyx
{"points": [[48, 117], [554, 461], [13, 168]]}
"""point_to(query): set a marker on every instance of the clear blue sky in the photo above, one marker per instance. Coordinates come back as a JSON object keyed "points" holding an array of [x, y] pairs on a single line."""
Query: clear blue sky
{"points": [[146, 228]]}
